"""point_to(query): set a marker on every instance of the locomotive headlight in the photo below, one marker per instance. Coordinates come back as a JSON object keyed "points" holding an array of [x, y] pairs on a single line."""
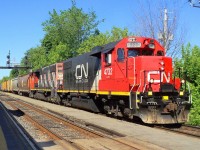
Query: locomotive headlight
{"points": [[150, 93], [152, 46], [182, 81], [181, 93]]}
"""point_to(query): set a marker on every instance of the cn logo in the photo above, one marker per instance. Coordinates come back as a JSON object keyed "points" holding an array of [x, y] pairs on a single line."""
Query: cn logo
{"points": [[81, 70], [108, 71], [163, 76]]}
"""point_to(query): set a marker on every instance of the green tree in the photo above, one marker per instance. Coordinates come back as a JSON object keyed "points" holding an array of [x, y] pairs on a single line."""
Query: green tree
{"points": [[14, 73], [102, 39], [195, 111], [191, 64], [70, 28], [60, 53], [37, 58], [4, 79]]}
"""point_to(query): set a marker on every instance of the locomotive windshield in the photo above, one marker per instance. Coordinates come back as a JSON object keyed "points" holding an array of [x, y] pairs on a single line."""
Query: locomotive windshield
{"points": [[134, 53], [147, 52]]}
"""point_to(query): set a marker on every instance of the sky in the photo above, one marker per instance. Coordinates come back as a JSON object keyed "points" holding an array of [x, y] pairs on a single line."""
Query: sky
{"points": [[21, 29]]}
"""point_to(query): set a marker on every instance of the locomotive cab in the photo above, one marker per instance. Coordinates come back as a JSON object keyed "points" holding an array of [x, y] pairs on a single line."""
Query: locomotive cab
{"points": [[138, 68]]}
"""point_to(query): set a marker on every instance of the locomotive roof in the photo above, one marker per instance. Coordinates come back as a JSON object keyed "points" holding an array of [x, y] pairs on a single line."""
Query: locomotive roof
{"points": [[104, 49]]}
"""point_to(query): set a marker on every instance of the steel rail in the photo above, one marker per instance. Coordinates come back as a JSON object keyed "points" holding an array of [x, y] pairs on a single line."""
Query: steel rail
{"points": [[89, 132], [58, 139], [184, 129]]}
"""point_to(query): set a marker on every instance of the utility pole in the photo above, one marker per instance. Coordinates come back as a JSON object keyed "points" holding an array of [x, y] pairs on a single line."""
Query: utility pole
{"points": [[165, 37], [165, 29]]}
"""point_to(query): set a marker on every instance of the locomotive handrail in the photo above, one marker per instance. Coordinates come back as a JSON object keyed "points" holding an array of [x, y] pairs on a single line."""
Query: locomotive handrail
{"points": [[144, 87]]}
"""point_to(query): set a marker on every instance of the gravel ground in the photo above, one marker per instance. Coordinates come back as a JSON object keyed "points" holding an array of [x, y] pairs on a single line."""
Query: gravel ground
{"points": [[138, 134]]}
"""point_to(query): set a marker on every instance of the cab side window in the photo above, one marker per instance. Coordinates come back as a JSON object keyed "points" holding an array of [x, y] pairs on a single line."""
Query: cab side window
{"points": [[120, 54], [108, 58]]}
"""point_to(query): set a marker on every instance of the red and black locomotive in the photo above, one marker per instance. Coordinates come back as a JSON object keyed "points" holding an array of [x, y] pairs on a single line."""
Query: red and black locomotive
{"points": [[130, 77]]}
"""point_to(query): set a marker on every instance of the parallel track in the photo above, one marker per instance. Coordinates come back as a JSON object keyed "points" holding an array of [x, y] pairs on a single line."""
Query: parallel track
{"points": [[16, 133], [184, 129], [19, 105]]}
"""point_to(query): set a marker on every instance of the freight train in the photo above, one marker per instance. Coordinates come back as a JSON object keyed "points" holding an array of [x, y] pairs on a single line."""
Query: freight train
{"points": [[131, 78]]}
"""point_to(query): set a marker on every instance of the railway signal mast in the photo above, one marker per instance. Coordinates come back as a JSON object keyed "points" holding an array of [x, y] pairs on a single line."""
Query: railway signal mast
{"points": [[9, 65], [8, 59]]}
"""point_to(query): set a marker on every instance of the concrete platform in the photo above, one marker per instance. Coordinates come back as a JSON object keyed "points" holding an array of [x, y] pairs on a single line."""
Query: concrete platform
{"points": [[160, 138], [10, 137]]}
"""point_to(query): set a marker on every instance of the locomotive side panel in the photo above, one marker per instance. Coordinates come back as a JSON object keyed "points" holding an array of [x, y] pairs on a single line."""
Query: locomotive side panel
{"points": [[46, 78], [80, 73]]}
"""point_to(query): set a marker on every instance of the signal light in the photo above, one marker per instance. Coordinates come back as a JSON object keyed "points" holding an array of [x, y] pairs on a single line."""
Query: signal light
{"points": [[8, 62], [8, 59], [8, 56], [26, 60]]}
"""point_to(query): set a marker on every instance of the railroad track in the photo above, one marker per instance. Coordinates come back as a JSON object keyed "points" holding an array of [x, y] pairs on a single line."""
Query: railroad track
{"points": [[12, 136], [188, 130], [112, 137], [193, 131], [66, 133]]}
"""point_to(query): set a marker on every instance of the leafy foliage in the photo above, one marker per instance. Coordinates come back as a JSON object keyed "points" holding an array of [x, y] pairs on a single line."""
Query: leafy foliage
{"points": [[191, 64], [102, 39], [4, 79], [68, 30], [14, 73], [195, 111], [65, 31]]}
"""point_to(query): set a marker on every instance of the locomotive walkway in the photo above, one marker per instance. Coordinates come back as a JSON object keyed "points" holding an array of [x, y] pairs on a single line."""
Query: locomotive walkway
{"points": [[138, 134]]}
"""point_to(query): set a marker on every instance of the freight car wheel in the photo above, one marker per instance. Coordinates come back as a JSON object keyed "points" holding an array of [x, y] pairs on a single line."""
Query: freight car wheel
{"points": [[58, 100], [31, 94]]}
